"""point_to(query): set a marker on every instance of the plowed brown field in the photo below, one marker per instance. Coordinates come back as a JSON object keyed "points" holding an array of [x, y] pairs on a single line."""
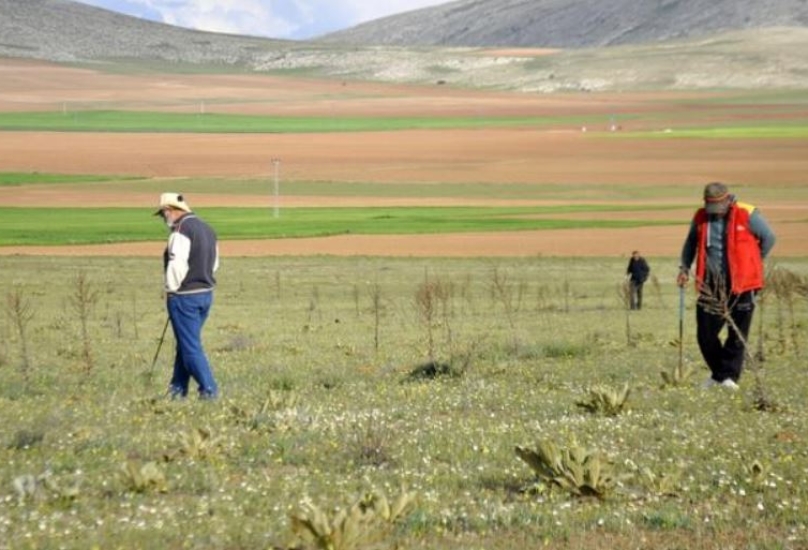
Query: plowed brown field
{"points": [[555, 155]]}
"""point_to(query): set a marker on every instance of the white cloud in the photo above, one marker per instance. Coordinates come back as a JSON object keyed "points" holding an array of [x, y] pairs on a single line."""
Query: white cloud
{"points": [[298, 19], [253, 17]]}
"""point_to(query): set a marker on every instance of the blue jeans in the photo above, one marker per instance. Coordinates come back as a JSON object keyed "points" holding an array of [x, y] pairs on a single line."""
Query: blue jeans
{"points": [[188, 313]]}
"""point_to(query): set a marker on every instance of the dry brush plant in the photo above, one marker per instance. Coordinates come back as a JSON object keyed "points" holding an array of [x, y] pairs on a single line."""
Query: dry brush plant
{"points": [[313, 307], [142, 477], [656, 484], [786, 286], [677, 376], [269, 416], [624, 296], [376, 305], [503, 292], [655, 284], [371, 443], [84, 300], [567, 292], [4, 338], [432, 299], [198, 444], [21, 312]]}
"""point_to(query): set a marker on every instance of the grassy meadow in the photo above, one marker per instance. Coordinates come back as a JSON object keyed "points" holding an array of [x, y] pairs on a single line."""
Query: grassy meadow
{"points": [[344, 377], [372, 403], [145, 121], [30, 226]]}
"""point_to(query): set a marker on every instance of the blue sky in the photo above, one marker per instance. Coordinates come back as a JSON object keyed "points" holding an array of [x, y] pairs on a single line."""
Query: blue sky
{"points": [[293, 19]]}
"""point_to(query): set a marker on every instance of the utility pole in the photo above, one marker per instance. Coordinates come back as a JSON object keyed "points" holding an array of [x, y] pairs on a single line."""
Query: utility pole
{"points": [[276, 165]]}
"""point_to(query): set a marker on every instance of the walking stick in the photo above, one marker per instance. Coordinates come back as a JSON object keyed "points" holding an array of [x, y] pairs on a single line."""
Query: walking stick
{"points": [[159, 347], [681, 323]]}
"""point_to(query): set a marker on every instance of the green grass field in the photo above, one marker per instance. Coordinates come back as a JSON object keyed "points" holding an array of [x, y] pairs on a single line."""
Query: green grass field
{"points": [[777, 123], [560, 193], [791, 131], [27, 178], [314, 358], [143, 121], [317, 360], [34, 226]]}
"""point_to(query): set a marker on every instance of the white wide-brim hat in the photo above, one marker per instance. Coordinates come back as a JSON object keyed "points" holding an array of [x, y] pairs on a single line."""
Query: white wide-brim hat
{"points": [[172, 200]]}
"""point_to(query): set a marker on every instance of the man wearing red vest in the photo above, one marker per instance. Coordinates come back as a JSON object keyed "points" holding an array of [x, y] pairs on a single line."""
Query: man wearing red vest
{"points": [[729, 241]]}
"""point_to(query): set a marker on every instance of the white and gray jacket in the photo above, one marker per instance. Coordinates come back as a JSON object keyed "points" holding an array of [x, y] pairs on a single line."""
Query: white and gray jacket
{"points": [[191, 257]]}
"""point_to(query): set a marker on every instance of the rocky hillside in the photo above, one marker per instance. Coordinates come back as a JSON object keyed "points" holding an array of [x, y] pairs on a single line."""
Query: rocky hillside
{"points": [[769, 57], [65, 31], [750, 59], [572, 23]]}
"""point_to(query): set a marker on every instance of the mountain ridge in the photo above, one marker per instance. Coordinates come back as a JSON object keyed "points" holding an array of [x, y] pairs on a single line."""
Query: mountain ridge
{"points": [[570, 23], [64, 31]]}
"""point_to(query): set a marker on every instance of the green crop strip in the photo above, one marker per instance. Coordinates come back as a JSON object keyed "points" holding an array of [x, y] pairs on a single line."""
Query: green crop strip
{"points": [[130, 121], [796, 130], [28, 178], [34, 226]]}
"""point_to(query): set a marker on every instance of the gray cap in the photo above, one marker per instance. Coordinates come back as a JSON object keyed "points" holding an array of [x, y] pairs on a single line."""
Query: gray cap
{"points": [[716, 198]]}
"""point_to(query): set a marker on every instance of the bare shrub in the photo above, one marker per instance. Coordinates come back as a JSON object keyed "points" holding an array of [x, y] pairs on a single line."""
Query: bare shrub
{"points": [[134, 315], [567, 292], [314, 306], [655, 284], [83, 301], [4, 339], [355, 295], [543, 297], [431, 299], [677, 376], [371, 443], [786, 286], [624, 296], [21, 312], [502, 291], [376, 304]]}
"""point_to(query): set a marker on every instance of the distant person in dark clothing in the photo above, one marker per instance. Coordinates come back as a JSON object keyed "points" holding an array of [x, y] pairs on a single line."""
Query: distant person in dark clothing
{"points": [[190, 259], [728, 240], [636, 273]]}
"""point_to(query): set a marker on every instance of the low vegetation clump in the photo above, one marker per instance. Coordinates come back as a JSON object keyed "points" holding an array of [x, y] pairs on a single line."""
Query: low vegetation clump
{"points": [[364, 524], [391, 373], [677, 376], [606, 400], [575, 469]]}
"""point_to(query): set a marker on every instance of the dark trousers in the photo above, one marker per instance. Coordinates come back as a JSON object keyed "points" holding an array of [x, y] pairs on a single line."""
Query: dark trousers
{"points": [[635, 288], [725, 359]]}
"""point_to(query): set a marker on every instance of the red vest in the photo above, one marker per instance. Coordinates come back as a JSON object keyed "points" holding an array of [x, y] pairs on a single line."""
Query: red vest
{"points": [[742, 249]]}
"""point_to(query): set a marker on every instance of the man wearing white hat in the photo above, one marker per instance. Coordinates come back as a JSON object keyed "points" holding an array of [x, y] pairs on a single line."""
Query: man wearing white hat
{"points": [[190, 260]]}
